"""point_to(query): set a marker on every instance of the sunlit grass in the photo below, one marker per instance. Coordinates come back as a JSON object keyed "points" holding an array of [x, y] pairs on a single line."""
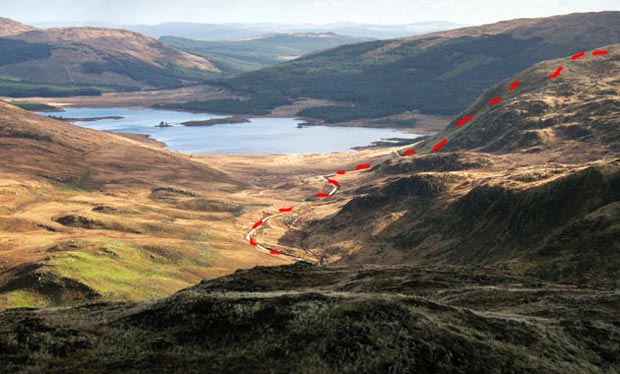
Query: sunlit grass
{"points": [[25, 299], [120, 270]]}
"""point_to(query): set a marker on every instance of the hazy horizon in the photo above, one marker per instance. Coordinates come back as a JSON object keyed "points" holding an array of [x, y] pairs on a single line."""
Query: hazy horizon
{"points": [[317, 12]]}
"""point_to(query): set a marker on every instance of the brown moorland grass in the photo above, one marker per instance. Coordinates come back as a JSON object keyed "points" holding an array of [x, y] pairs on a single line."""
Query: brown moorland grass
{"points": [[121, 218]]}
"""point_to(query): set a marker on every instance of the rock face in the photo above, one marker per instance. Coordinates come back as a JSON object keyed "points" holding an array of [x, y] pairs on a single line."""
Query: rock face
{"points": [[300, 318]]}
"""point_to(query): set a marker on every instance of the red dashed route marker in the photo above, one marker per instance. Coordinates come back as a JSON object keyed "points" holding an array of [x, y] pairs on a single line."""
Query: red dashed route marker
{"points": [[464, 120], [556, 73], [578, 55], [437, 146]]}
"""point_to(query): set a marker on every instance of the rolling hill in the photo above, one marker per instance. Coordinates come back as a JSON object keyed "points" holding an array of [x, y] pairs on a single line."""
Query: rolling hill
{"points": [[531, 184], [70, 61], [438, 73], [261, 51], [59, 151], [572, 117], [88, 215]]}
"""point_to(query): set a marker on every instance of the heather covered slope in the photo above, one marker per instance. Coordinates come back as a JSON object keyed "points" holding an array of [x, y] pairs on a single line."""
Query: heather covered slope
{"points": [[572, 117], [304, 319], [556, 221], [436, 73], [531, 183]]}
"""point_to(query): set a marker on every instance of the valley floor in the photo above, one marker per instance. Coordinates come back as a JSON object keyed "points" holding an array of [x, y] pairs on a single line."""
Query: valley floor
{"points": [[68, 242], [65, 243]]}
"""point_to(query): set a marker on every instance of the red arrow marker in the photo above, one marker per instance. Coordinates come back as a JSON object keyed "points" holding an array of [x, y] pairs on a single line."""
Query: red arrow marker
{"points": [[252, 242], [334, 182], [495, 101], [274, 252], [257, 224], [514, 85], [556, 73], [439, 145], [409, 152], [362, 166], [464, 120], [322, 195], [600, 52], [341, 172], [285, 210]]}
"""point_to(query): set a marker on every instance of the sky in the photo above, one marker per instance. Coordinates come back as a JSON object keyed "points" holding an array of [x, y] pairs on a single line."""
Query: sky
{"points": [[471, 12]]}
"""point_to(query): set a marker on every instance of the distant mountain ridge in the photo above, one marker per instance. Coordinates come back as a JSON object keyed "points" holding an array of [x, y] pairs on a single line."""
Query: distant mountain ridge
{"points": [[237, 31], [67, 61], [259, 51]]}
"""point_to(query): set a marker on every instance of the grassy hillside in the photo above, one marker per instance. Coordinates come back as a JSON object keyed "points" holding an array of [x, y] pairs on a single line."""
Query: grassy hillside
{"points": [[89, 61], [560, 223], [88, 215], [255, 53], [575, 115], [530, 184], [304, 319], [437, 73]]}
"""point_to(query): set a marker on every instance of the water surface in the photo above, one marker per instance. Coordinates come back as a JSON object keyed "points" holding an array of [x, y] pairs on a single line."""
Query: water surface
{"points": [[259, 136]]}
